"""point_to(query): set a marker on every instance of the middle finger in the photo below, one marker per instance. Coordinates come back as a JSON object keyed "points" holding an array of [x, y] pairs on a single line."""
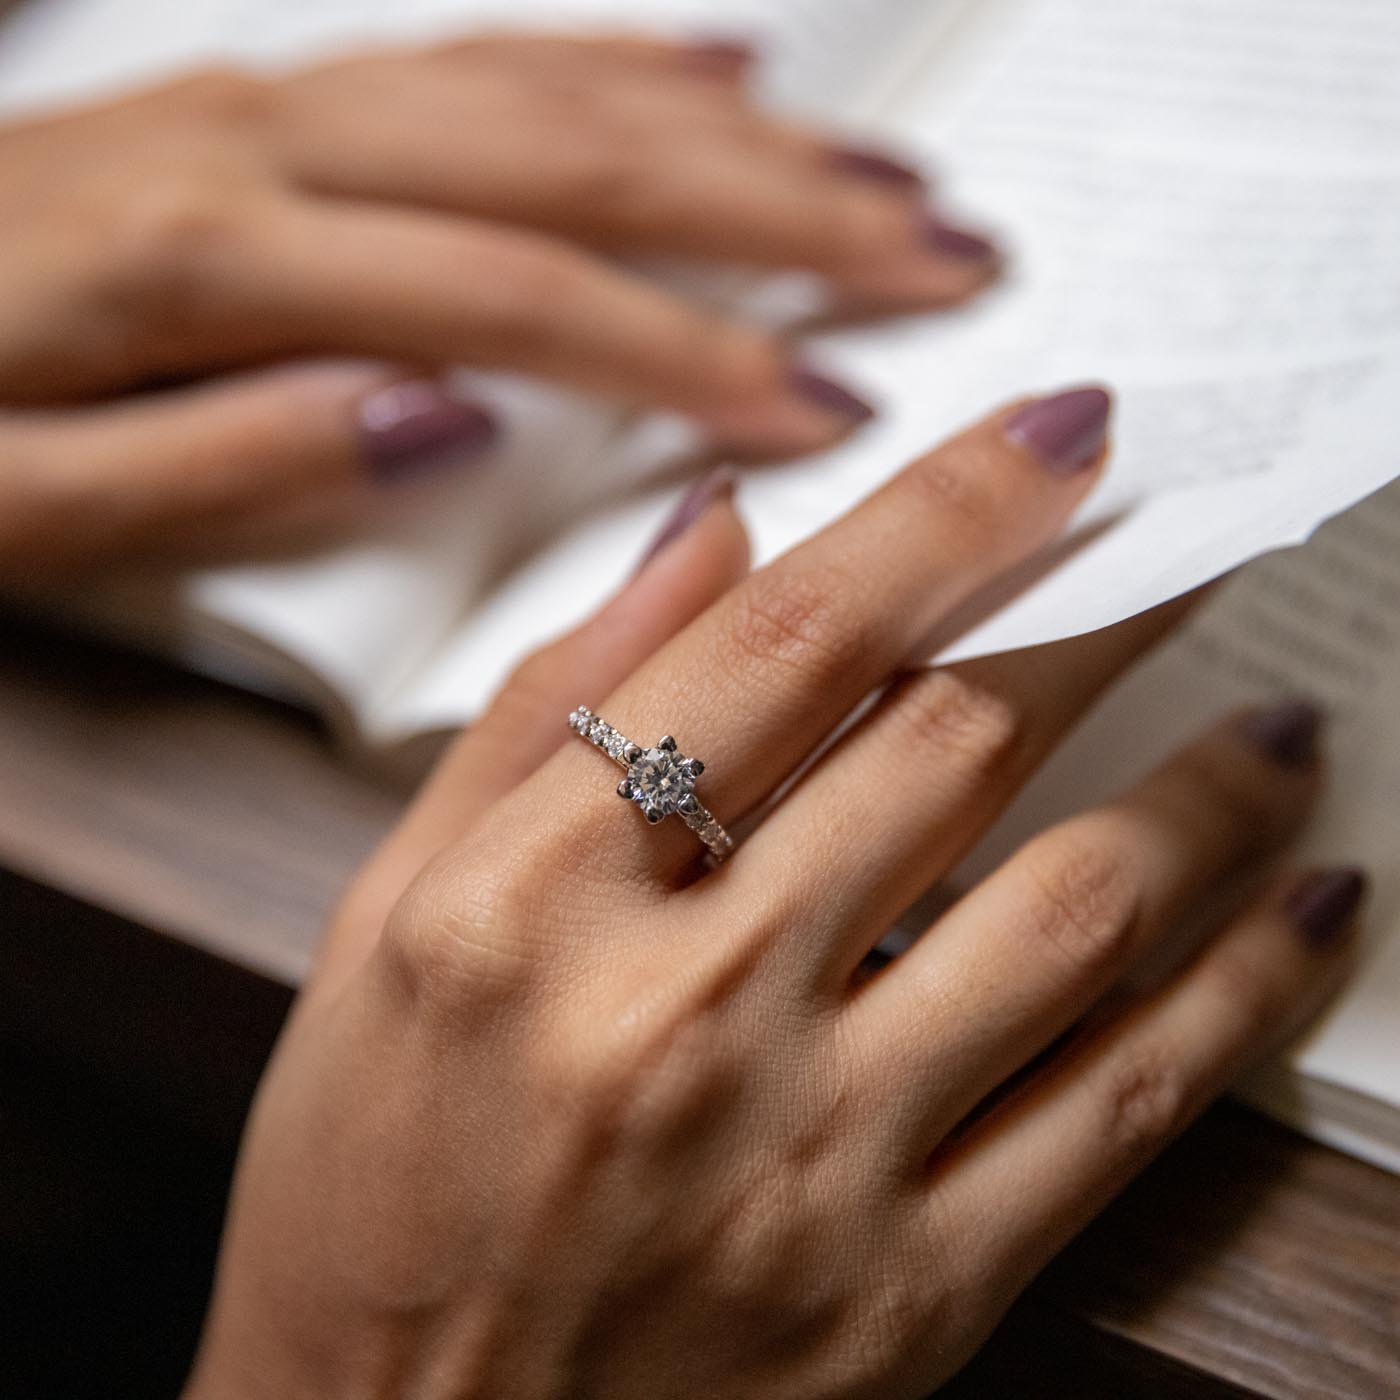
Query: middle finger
{"points": [[903, 796], [643, 167]]}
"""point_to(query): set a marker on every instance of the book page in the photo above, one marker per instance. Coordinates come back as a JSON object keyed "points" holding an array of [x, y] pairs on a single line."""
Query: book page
{"points": [[1202, 202], [1323, 622], [820, 55]]}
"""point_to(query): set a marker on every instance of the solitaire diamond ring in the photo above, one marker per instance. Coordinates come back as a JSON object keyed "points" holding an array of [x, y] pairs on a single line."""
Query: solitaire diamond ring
{"points": [[659, 780]]}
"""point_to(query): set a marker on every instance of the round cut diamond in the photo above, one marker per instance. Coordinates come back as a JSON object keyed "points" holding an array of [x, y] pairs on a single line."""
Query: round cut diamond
{"points": [[660, 780]]}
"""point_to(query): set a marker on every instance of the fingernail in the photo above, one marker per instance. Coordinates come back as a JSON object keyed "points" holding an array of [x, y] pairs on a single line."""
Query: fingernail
{"points": [[828, 394], [724, 56], [1323, 903], [871, 165], [714, 486], [409, 427], [960, 243], [1287, 732], [1066, 431]]}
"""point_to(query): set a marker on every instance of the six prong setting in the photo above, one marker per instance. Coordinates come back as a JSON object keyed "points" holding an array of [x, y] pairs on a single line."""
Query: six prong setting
{"points": [[661, 780]]}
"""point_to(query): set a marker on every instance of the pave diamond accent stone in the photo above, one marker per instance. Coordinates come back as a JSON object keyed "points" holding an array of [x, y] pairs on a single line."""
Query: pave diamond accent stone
{"points": [[660, 780]]}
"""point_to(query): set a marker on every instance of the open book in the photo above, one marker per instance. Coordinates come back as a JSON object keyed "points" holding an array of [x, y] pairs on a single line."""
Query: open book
{"points": [[1202, 202]]}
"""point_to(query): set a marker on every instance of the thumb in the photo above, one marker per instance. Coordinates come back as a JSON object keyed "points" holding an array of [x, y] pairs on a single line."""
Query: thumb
{"points": [[158, 475], [699, 554]]}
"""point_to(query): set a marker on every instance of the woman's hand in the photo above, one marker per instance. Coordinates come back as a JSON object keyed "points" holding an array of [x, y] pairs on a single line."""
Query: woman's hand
{"points": [[398, 214], [586, 1119]]}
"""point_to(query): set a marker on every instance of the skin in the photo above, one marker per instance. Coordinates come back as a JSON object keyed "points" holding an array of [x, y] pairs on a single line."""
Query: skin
{"points": [[203, 281], [562, 1113]]}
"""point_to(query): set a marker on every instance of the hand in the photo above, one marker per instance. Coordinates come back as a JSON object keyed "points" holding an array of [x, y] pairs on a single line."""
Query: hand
{"points": [[586, 1119], [401, 213]]}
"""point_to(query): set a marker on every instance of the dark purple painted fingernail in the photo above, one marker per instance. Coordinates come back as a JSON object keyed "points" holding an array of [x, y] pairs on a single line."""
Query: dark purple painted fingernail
{"points": [[828, 394], [960, 243], [872, 165], [721, 56], [1287, 733], [1066, 431], [1323, 904], [714, 486], [416, 425]]}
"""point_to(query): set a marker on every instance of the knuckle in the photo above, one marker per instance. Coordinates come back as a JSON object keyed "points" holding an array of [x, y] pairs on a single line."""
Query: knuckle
{"points": [[161, 246], [861, 226], [1234, 794], [1087, 900], [454, 937], [964, 489], [227, 95], [162, 238], [962, 721], [740, 364], [530, 701], [539, 276], [179, 221], [615, 176], [1249, 992], [564, 99], [798, 619], [531, 287], [1145, 1104]]}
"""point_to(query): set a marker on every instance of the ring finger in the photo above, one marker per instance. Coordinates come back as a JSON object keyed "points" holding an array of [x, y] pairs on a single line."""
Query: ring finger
{"points": [[756, 684]]}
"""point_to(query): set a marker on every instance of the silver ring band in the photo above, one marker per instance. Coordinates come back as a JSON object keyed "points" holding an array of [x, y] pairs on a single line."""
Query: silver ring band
{"points": [[659, 780]]}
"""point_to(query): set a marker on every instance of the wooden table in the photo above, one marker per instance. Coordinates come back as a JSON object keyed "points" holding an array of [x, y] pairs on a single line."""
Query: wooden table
{"points": [[168, 849]]}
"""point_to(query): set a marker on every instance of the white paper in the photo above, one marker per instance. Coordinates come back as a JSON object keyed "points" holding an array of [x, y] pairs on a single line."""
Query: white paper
{"points": [[821, 52], [1242, 295], [1203, 203]]}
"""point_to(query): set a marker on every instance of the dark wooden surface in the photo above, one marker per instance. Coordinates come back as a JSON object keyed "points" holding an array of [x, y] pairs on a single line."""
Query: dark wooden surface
{"points": [[168, 849]]}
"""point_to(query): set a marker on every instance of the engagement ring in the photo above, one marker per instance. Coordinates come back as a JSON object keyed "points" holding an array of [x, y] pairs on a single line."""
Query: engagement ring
{"points": [[659, 780]]}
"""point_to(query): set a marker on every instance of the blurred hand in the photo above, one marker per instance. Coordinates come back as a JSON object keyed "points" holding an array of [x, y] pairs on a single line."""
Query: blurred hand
{"points": [[385, 217], [580, 1119]]}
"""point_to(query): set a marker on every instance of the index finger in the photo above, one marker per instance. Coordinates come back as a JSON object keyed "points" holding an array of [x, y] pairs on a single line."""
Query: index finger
{"points": [[353, 278]]}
